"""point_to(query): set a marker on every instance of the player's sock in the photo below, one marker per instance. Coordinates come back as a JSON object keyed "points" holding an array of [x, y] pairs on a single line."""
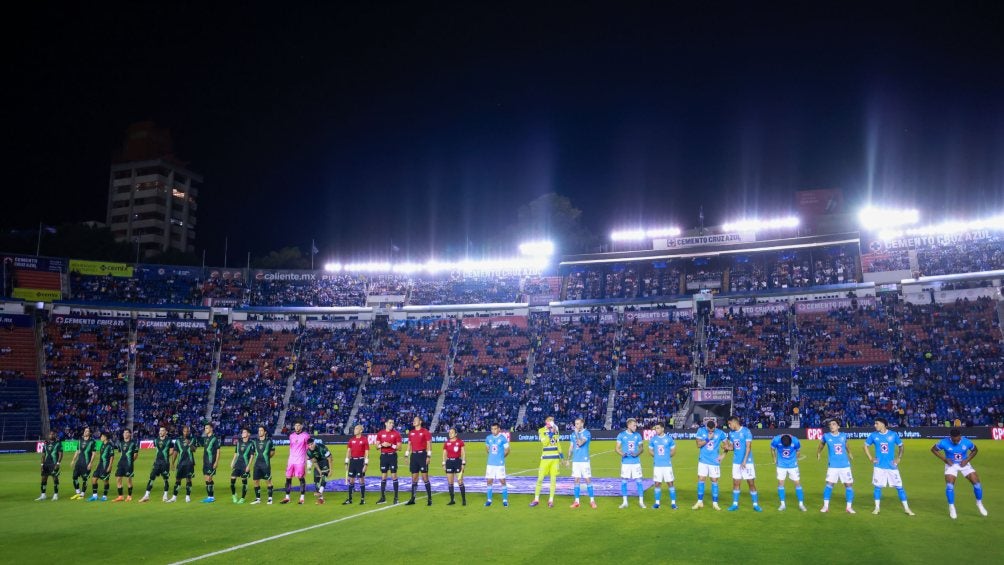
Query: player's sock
{"points": [[878, 496], [658, 495], [55, 485], [149, 487], [395, 488], [978, 491], [233, 487], [755, 497], [352, 489], [106, 488], [177, 485], [800, 494], [188, 488], [451, 491], [700, 491], [76, 486], [850, 496], [270, 488], [780, 494], [463, 493], [714, 492], [303, 487], [166, 486], [735, 497], [624, 489], [902, 494], [950, 492], [362, 488], [289, 486], [577, 490], [119, 489], [244, 488], [505, 493], [638, 488], [589, 491], [488, 493], [414, 489], [383, 488], [211, 489], [672, 495], [428, 491], [43, 487], [94, 489], [128, 491], [257, 492], [827, 493]]}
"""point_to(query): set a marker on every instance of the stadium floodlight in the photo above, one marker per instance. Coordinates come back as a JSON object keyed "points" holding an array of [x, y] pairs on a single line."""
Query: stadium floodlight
{"points": [[754, 225], [628, 235], [995, 223], [368, 267], [541, 248], [406, 268], [886, 218], [653, 233], [333, 267]]}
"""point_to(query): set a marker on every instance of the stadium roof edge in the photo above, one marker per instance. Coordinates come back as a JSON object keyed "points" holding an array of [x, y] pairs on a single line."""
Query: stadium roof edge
{"points": [[705, 251]]}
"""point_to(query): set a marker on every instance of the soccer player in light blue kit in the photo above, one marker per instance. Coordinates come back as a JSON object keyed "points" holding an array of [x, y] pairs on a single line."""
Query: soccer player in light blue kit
{"points": [[886, 461], [839, 467], [959, 453], [662, 448], [629, 447], [578, 458], [742, 462], [784, 450], [497, 446], [709, 461]]}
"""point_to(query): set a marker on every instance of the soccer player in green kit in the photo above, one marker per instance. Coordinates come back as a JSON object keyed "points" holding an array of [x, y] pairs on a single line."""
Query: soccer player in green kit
{"points": [[317, 451], [211, 445], [264, 450], [102, 468], [239, 465], [52, 456], [129, 448], [81, 463], [163, 451], [184, 468]]}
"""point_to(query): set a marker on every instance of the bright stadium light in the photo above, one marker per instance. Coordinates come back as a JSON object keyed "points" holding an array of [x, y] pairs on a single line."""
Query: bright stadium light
{"points": [[368, 267], [333, 267], [537, 248], [754, 225], [628, 235], [885, 218], [995, 223]]}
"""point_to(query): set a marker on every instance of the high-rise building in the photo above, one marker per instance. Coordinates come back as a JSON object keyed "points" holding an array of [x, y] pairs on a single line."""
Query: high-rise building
{"points": [[152, 195]]}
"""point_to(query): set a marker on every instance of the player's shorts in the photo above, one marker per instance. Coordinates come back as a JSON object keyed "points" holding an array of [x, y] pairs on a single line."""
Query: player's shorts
{"points": [[295, 470], [321, 472], [262, 472], [886, 478], [124, 469], [419, 462], [630, 470], [662, 474], [208, 470], [81, 472], [707, 470], [454, 465], [955, 469], [747, 474], [102, 472], [839, 475], [582, 470], [788, 472], [356, 465], [50, 470], [185, 470], [388, 462], [495, 472], [239, 471], [160, 469]]}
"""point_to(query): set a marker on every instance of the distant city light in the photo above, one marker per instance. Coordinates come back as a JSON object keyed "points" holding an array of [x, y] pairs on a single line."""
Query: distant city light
{"points": [[754, 225], [642, 235], [537, 248], [886, 218], [995, 223]]}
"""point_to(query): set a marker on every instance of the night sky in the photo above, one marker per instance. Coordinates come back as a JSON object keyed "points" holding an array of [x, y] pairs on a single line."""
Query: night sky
{"points": [[366, 124]]}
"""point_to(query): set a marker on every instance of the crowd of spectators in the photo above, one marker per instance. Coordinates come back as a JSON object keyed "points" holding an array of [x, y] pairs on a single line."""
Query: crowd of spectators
{"points": [[325, 290], [962, 257]]}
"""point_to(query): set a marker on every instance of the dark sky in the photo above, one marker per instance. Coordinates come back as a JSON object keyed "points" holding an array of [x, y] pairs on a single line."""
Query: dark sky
{"points": [[367, 123]]}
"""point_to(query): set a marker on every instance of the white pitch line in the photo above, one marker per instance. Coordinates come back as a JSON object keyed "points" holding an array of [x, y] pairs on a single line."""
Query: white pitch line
{"points": [[289, 533]]}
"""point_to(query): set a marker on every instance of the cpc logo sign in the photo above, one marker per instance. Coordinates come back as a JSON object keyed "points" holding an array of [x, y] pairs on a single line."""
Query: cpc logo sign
{"points": [[997, 433], [814, 433]]}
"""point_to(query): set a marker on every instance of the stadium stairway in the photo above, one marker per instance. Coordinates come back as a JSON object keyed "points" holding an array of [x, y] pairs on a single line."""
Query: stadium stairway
{"points": [[215, 378], [447, 378], [131, 380], [360, 393], [280, 422]]}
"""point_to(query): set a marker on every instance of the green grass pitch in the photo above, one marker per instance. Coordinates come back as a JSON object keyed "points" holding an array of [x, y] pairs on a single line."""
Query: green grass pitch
{"points": [[70, 531]]}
